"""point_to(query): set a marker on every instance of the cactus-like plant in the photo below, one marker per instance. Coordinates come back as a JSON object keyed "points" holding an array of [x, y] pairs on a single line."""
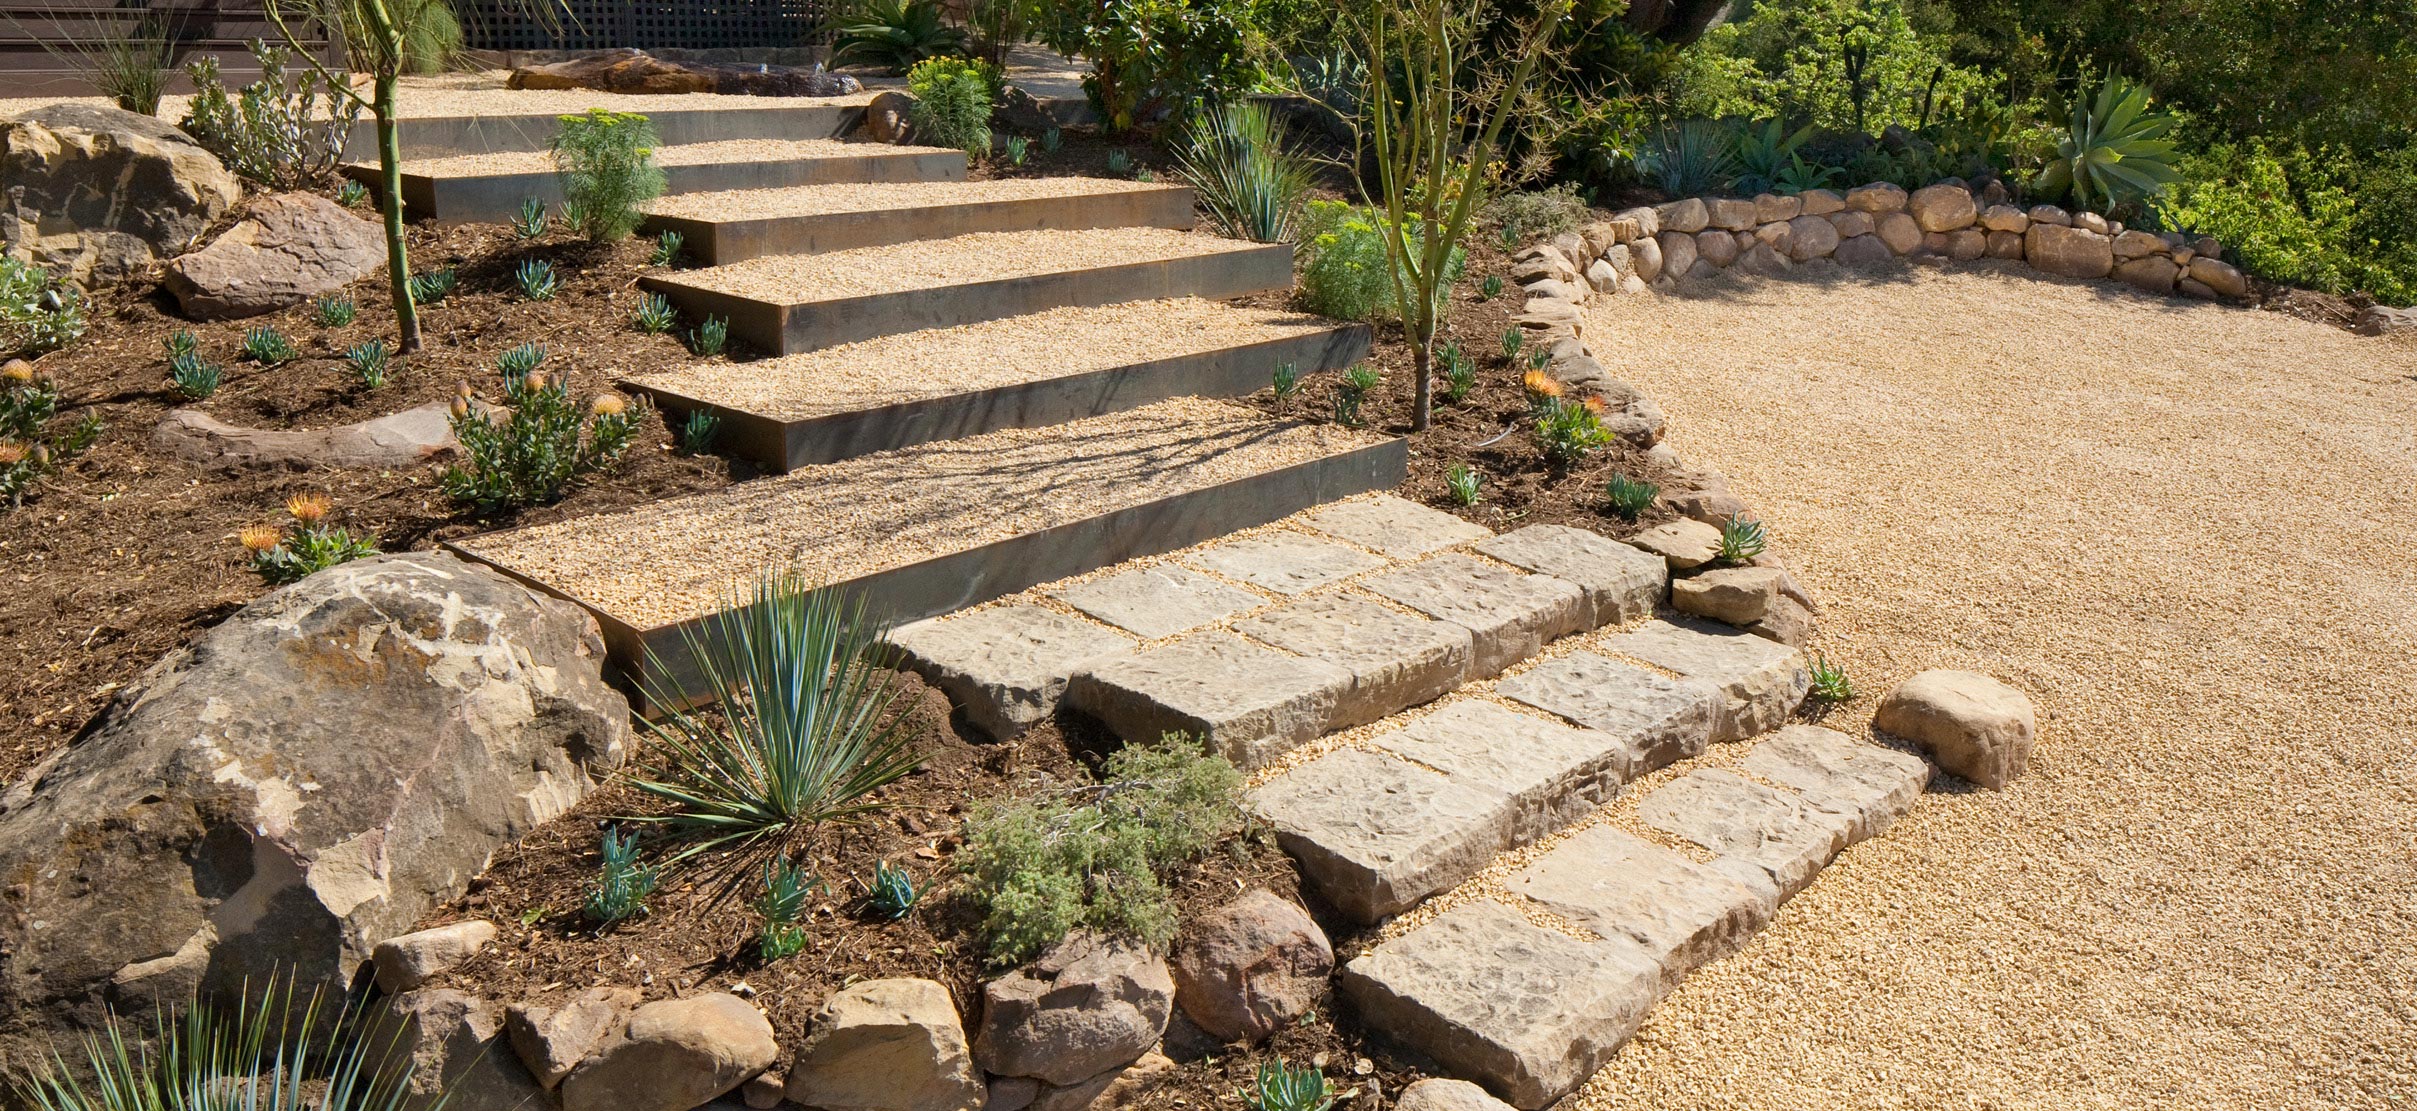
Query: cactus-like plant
{"points": [[532, 222], [333, 310], [893, 894], [1459, 374], [369, 361], [1741, 539], [654, 315], [2114, 150], [699, 430], [194, 377], [667, 249], [535, 277], [1631, 498], [433, 287], [1352, 392], [622, 884], [783, 907], [268, 346], [710, 338], [1463, 480]]}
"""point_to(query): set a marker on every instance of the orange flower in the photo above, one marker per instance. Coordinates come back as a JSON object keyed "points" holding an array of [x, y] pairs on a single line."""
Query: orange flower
{"points": [[11, 453], [309, 509], [1596, 406], [1540, 384], [260, 538], [608, 405]]}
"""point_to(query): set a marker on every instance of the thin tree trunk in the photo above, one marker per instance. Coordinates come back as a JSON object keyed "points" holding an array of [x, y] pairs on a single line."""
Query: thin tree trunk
{"points": [[1422, 358], [390, 175]]}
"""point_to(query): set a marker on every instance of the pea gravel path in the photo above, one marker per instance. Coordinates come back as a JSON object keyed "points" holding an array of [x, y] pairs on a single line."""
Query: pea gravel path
{"points": [[2187, 531]]}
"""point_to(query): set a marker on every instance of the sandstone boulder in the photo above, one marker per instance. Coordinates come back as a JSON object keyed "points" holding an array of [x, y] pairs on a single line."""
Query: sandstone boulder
{"points": [[101, 195], [1876, 198], [1852, 223], [1730, 213], [2223, 277], [2005, 217], [886, 1045], [1685, 544], [552, 1038], [1942, 207], [1716, 247], [888, 118], [286, 250], [1689, 215], [2093, 222], [1737, 596], [1678, 253], [2155, 273], [1821, 202], [1447, 1095], [1966, 244], [2068, 252], [1114, 1090], [1770, 208], [673, 1055], [1899, 231], [2005, 244], [1971, 724], [304, 781], [2137, 244], [1087, 1006], [406, 962], [1251, 967], [636, 71], [1862, 250], [1646, 253], [2049, 214], [414, 436], [454, 1042], [1648, 221], [2376, 320], [1811, 237]]}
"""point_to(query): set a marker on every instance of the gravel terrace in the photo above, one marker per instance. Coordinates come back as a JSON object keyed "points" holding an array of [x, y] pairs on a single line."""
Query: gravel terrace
{"points": [[824, 200], [513, 163], [2183, 529], [936, 263]]}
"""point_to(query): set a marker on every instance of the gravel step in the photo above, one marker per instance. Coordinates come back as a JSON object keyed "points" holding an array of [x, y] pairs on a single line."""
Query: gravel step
{"points": [[784, 304], [1761, 681], [1022, 371], [490, 188], [472, 116], [727, 227]]}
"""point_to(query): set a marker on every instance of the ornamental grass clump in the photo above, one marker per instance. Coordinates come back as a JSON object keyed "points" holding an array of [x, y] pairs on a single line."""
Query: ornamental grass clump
{"points": [[533, 452], [1098, 855], [952, 104], [314, 544], [605, 162], [1251, 182]]}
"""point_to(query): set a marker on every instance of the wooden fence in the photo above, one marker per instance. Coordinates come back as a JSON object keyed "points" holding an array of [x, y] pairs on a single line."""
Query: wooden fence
{"points": [[29, 68]]}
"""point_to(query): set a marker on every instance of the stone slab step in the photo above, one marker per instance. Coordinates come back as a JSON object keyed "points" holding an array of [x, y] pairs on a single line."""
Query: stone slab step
{"points": [[1761, 681], [491, 187], [719, 228], [784, 304], [941, 526], [497, 120], [1020, 372]]}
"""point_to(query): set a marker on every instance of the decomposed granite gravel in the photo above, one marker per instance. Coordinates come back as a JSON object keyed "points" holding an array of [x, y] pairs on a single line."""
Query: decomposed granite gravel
{"points": [[2185, 530], [508, 163], [824, 200], [942, 361], [673, 560], [964, 260]]}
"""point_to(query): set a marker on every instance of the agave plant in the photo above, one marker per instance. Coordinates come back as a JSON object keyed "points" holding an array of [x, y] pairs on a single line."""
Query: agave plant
{"points": [[1251, 182], [1764, 155], [1688, 158], [2114, 150], [895, 34]]}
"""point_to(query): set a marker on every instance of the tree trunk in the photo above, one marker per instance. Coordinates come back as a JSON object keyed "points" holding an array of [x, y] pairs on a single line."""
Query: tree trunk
{"points": [[390, 177], [1422, 360]]}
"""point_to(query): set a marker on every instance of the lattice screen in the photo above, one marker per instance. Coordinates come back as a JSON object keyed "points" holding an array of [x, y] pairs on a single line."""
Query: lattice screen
{"points": [[646, 24]]}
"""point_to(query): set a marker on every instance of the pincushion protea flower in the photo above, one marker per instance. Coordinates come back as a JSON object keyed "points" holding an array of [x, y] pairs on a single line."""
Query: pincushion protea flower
{"points": [[1540, 385], [309, 509], [1596, 405], [258, 539], [608, 405], [11, 453]]}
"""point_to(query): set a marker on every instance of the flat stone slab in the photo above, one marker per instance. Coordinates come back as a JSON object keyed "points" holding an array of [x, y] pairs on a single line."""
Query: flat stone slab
{"points": [[1871, 787], [1622, 583], [1761, 681], [1511, 614], [1552, 773], [1006, 667], [1528, 1012], [1395, 526], [1767, 838], [1376, 834], [1677, 913], [1396, 661], [1284, 561], [1685, 543], [1249, 702], [1160, 601], [1661, 720]]}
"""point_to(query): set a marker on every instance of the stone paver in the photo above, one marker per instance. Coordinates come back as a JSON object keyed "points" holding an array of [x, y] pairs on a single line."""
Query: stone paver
{"points": [[1006, 666], [1686, 543], [1552, 773], [1868, 785], [1622, 583], [1396, 661], [1401, 529], [1512, 614], [1761, 681], [1160, 601], [1676, 912], [1377, 834], [1249, 702], [1660, 719], [1767, 838], [1528, 1012], [1284, 561]]}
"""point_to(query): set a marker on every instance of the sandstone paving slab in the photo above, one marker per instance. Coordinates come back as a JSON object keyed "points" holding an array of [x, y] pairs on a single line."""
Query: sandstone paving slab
{"points": [[1376, 834], [1005, 667], [1765, 837], [1492, 997], [1622, 583], [1285, 561], [1868, 785], [1248, 702], [1761, 681], [1511, 614], [1660, 719], [1552, 773], [1678, 913], [1160, 601], [1395, 660], [1397, 527]]}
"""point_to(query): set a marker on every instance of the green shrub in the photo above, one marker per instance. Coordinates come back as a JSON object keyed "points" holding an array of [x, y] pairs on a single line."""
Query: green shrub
{"points": [[895, 34], [2322, 220], [952, 105], [1766, 152], [532, 454], [280, 133], [31, 444], [1526, 215], [2113, 152], [605, 161], [1571, 430], [314, 545], [1347, 274], [1098, 855], [1251, 182], [38, 313], [622, 884], [1152, 58]]}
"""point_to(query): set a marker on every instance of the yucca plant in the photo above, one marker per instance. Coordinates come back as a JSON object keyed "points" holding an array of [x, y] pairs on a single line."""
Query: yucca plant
{"points": [[333, 311], [667, 249], [805, 734], [2114, 150], [710, 338], [433, 286], [535, 277], [268, 346], [194, 377], [532, 222], [1688, 158], [699, 430], [369, 362], [622, 883], [1741, 539], [1280, 1087], [783, 907], [1462, 480], [1250, 180], [654, 315], [1351, 392], [893, 894], [1286, 381], [1631, 498]]}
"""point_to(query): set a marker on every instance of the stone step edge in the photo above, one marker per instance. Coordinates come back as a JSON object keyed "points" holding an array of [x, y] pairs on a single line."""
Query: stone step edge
{"points": [[738, 238], [497, 197]]}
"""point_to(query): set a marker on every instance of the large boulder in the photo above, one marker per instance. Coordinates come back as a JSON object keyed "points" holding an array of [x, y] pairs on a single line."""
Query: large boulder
{"points": [[1973, 725], [636, 71], [1251, 967], [886, 1045], [305, 780], [674, 1055], [552, 1038], [454, 1043], [1942, 207], [889, 118], [286, 250], [2068, 252], [1091, 1004], [101, 195]]}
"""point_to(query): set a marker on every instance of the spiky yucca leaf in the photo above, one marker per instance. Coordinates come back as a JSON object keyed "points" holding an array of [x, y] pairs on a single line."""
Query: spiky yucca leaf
{"points": [[1251, 182], [2114, 150]]}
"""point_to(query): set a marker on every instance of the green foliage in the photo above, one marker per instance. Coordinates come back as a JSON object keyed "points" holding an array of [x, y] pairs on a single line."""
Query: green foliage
{"points": [[699, 430], [1846, 65], [180, 342], [1098, 855], [1348, 272], [2113, 152], [1631, 498], [1799, 175], [895, 34], [605, 162], [532, 222], [1531, 214], [531, 455], [783, 909], [805, 733], [352, 194], [1830, 683], [1120, 162], [711, 337], [667, 249], [1242, 171], [1152, 58], [1051, 140], [1280, 1087], [2325, 220], [1570, 430], [333, 310], [1286, 382], [313, 545], [952, 105], [30, 447], [535, 277], [622, 883], [1688, 158], [194, 377], [1764, 153], [38, 313], [433, 286], [1017, 148], [894, 893], [517, 362], [1459, 373], [369, 361], [1741, 539], [1490, 288], [1351, 390], [1513, 339], [654, 315], [1462, 480], [267, 346], [280, 132]]}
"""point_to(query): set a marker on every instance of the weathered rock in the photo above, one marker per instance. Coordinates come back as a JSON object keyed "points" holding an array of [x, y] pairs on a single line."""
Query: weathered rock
{"points": [[1394, 526], [1012, 1093], [1934, 245], [2093, 223], [1088, 1005], [1006, 667], [2207, 245], [673, 1055], [454, 1044], [2005, 244], [1811, 237], [1621, 583], [1685, 544], [1973, 725], [1876, 198], [551, 1039], [406, 962], [2155, 273], [2068, 252], [1899, 232], [305, 780], [2137, 244], [1447, 1095], [2190, 288], [1730, 214], [1543, 262], [1711, 504], [1021, 113], [1647, 220], [1689, 215], [1549, 773], [1251, 967], [2376, 320], [1602, 278], [1821, 202], [1395, 660], [1670, 910], [1377, 834], [1678, 253], [1112, 1090], [636, 71], [886, 1045], [410, 438], [1787, 622], [1573, 292], [1966, 244], [2049, 214], [889, 118], [2005, 217], [1284, 561], [1646, 254], [1735, 595], [766, 1090], [1716, 247], [1510, 615], [101, 195], [1158, 601], [1862, 250], [286, 250], [1658, 719], [1771, 208], [1760, 682], [1942, 207], [1871, 787], [1248, 703], [2223, 277], [1852, 222], [1767, 839]]}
